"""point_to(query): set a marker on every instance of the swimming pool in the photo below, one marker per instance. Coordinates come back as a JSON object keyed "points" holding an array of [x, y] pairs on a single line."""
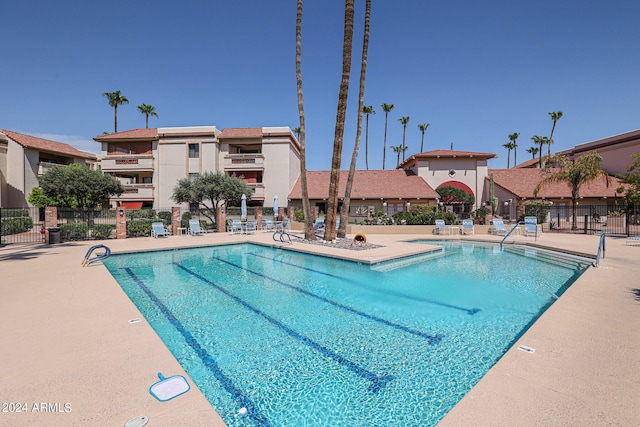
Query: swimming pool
{"points": [[305, 340]]}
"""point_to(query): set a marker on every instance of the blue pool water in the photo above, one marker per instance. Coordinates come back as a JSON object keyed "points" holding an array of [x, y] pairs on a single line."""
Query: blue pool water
{"points": [[301, 340]]}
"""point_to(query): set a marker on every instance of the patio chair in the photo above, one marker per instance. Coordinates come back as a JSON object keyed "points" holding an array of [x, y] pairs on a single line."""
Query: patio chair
{"points": [[531, 226], [499, 227], [194, 227], [286, 225], [319, 224], [633, 240], [441, 227], [467, 227], [157, 230], [235, 226], [267, 225], [251, 226]]}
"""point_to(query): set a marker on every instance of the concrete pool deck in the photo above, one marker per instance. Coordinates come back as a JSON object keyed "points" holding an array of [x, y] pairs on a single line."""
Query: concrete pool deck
{"points": [[68, 351]]}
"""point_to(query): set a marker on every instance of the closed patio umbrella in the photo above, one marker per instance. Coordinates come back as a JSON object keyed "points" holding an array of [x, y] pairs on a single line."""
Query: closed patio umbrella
{"points": [[243, 208], [275, 206]]}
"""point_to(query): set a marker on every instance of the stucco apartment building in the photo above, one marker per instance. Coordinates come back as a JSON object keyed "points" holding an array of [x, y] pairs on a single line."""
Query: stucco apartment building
{"points": [[149, 162], [24, 158]]}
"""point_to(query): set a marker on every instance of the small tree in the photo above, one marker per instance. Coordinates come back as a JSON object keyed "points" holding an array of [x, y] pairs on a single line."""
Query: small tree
{"points": [[210, 191], [632, 177], [79, 186]]}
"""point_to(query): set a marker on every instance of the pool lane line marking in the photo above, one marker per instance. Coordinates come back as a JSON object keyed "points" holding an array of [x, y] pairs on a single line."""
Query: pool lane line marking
{"points": [[432, 339], [469, 311], [207, 359], [377, 382]]}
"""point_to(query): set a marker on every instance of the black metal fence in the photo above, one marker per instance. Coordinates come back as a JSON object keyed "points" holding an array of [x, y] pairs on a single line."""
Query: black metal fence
{"points": [[21, 225], [586, 219]]}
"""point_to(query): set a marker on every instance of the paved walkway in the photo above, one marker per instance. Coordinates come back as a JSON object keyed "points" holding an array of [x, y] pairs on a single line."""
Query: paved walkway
{"points": [[68, 352]]}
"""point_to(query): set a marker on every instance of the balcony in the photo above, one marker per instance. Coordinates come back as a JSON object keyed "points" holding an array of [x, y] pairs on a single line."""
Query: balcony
{"points": [[136, 192], [44, 167], [257, 191], [127, 163], [243, 162]]}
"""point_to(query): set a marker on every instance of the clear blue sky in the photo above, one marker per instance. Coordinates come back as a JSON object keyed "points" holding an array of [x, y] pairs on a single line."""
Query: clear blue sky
{"points": [[475, 71]]}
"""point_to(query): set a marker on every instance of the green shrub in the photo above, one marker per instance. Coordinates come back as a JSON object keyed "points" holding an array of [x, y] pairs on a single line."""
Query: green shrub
{"points": [[298, 214], [15, 213], [74, 231], [141, 213], [15, 225], [537, 209], [166, 217], [378, 218], [102, 231], [139, 227], [184, 221]]}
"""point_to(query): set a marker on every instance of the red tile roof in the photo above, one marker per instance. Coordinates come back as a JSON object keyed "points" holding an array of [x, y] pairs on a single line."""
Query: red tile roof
{"points": [[41, 144], [435, 154], [371, 184], [241, 133], [533, 163], [140, 133], [522, 181]]}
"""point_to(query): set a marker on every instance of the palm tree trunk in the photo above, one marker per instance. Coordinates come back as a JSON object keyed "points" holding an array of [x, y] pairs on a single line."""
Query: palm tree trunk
{"points": [[404, 138], [347, 45], [306, 205], [115, 118], [422, 143], [366, 144], [146, 121], [384, 146], [346, 204]]}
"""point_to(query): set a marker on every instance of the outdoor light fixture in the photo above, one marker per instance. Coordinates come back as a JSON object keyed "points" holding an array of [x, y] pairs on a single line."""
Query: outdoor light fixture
{"points": [[121, 212]]}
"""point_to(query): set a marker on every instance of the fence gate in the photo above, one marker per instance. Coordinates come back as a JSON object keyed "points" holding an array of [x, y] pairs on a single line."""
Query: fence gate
{"points": [[21, 225]]}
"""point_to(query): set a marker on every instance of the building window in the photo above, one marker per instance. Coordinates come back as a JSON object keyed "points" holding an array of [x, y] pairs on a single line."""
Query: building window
{"points": [[193, 176], [194, 151]]}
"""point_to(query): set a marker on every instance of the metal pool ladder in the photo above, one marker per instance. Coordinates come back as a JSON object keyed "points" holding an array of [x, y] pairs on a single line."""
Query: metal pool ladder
{"points": [[601, 250], [510, 231], [86, 261]]}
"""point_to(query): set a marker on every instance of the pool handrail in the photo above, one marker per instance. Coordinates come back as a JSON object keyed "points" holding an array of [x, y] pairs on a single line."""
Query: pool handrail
{"points": [[510, 231], [86, 261], [601, 249]]}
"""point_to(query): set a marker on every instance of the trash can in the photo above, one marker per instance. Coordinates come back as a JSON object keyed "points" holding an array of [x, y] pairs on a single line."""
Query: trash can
{"points": [[54, 235]]}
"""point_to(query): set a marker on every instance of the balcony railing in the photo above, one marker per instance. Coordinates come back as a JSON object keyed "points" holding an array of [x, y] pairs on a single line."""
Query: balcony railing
{"points": [[44, 167], [137, 192], [257, 191], [127, 163], [243, 162]]}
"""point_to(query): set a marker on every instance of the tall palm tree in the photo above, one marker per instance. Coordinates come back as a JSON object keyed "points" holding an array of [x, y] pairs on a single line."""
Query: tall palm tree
{"points": [[404, 120], [398, 149], [540, 140], [386, 108], [309, 233], [576, 173], [555, 116], [347, 47], [513, 138], [297, 132], [367, 109], [423, 127], [509, 146], [346, 204], [115, 99], [147, 110], [533, 151]]}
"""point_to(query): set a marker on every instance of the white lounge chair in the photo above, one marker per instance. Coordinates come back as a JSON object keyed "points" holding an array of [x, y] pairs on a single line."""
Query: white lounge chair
{"points": [[194, 227], [235, 226], [319, 224], [441, 227], [633, 240], [267, 225], [467, 227], [531, 226], [251, 226], [157, 230], [499, 227]]}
